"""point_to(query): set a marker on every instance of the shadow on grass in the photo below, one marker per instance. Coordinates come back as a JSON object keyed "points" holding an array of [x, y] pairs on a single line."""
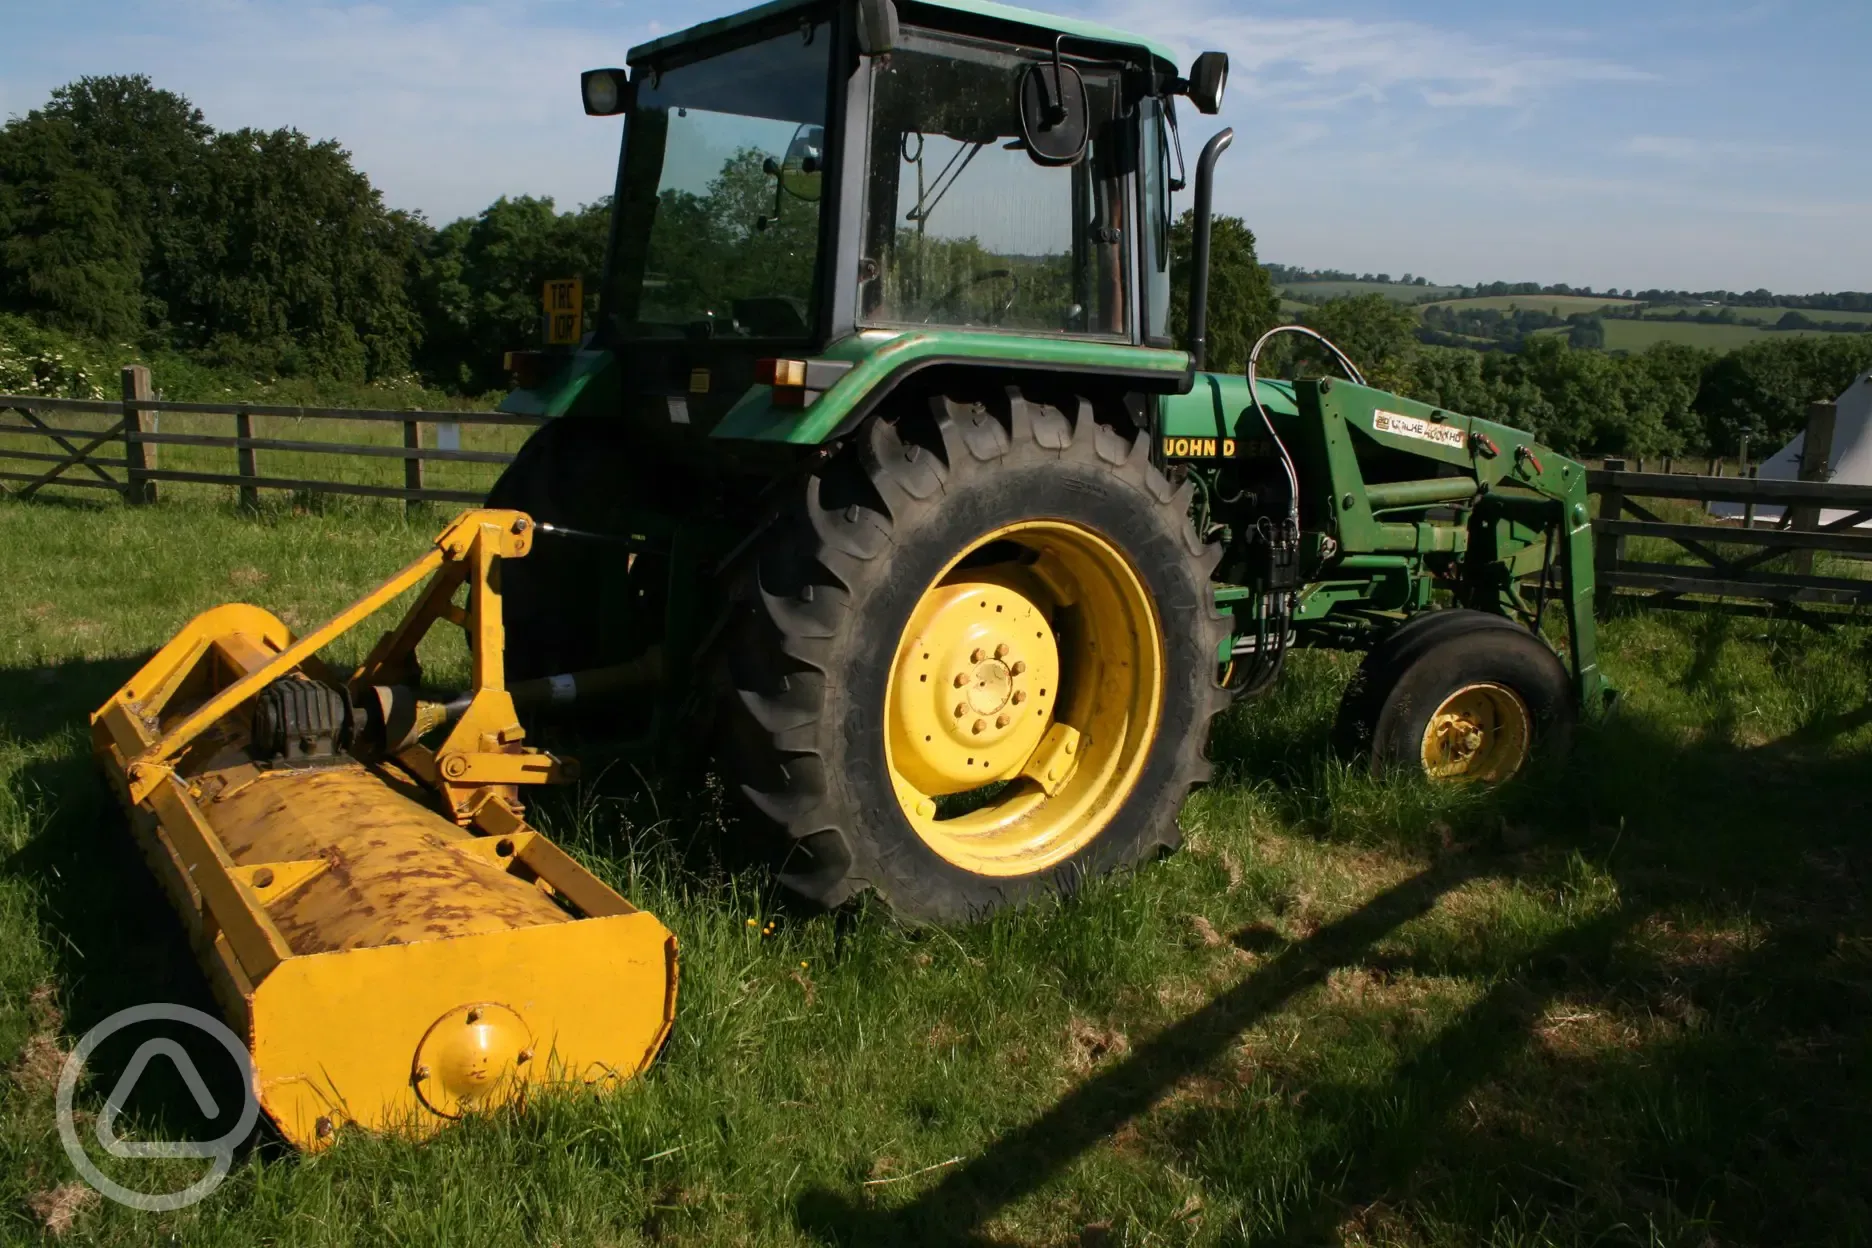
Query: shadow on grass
{"points": [[1738, 1116], [113, 940]]}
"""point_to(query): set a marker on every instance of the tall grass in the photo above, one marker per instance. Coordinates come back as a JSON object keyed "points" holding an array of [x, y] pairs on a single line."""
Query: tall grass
{"points": [[1623, 1001]]}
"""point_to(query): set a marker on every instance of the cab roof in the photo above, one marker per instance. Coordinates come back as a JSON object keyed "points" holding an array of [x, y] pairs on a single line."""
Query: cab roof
{"points": [[1030, 18]]}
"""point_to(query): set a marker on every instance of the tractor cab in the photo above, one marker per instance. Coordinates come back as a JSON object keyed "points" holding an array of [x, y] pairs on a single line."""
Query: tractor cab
{"points": [[810, 180]]}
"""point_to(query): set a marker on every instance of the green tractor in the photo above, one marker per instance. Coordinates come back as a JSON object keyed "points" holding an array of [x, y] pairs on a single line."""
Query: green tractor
{"points": [[881, 476]]}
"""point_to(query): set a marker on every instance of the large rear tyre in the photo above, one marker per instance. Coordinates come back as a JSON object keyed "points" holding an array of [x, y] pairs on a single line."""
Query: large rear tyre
{"points": [[1460, 696], [975, 661]]}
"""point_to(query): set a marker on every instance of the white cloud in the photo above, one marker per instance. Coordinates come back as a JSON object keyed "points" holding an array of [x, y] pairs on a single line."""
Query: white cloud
{"points": [[1314, 62], [1688, 150]]}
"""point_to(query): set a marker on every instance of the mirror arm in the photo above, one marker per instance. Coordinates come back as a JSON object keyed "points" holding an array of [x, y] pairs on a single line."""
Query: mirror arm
{"points": [[1199, 248]]}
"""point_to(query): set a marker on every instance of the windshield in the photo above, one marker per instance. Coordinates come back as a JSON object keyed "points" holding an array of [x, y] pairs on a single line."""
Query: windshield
{"points": [[962, 226], [720, 194]]}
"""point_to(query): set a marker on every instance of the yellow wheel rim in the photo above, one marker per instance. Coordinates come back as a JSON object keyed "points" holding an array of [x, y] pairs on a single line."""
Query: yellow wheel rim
{"points": [[1480, 732], [1034, 663]]}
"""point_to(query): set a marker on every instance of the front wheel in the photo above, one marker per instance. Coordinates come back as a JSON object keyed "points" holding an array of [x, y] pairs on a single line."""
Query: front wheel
{"points": [[1458, 695], [977, 662]]}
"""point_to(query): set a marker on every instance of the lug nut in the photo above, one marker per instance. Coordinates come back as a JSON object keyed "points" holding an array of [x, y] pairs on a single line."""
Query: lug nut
{"points": [[323, 1127], [961, 709], [1001, 721], [422, 1073], [1001, 651], [523, 1057], [961, 679], [977, 655], [1020, 696], [979, 725], [1017, 669], [474, 1016]]}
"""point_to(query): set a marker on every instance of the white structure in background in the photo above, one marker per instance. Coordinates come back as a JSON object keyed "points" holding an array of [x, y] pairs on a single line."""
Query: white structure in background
{"points": [[1851, 460]]}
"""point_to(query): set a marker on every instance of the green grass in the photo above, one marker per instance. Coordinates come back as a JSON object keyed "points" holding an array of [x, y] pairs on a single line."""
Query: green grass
{"points": [[1626, 1003], [1759, 316], [1319, 292], [1555, 305], [1628, 335]]}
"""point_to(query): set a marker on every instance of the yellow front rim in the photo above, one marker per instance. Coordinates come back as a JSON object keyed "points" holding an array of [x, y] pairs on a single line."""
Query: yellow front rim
{"points": [[1023, 698], [1480, 732]]}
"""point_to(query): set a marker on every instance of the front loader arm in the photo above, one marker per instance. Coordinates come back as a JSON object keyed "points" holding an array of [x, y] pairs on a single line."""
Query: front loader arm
{"points": [[1526, 505]]}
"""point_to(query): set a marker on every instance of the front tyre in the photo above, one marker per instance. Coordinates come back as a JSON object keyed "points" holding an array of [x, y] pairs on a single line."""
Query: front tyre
{"points": [[975, 662]]}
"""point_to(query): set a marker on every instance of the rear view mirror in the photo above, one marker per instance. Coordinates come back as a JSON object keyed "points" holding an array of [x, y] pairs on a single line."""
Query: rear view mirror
{"points": [[876, 31], [800, 173], [1054, 113], [1208, 79], [606, 91]]}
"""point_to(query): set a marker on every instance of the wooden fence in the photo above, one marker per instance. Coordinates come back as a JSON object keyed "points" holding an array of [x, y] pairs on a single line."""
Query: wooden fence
{"points": [[131, 430], [1730, 559]]}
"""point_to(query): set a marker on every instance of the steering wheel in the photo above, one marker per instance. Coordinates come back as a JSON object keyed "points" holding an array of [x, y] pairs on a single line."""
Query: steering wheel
{"points": [[953, 296]]}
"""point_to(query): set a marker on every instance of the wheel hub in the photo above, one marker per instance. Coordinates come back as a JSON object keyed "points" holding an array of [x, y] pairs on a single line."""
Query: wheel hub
{"points": [[1480, 732], [975, 688]]}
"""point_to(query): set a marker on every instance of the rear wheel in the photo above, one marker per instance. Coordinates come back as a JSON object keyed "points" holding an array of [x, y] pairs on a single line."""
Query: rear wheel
{"points": [[1458, 696], [975, 662]]}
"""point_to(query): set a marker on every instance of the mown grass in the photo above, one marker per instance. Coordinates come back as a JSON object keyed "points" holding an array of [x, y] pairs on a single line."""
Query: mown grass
{"points": [[1626, 1002]]}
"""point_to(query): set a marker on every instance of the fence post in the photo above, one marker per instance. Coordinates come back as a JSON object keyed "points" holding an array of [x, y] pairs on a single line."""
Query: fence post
{"points": [[245, 459], [139, 456], [1816, 464], [1748, 508], [1608, 551], [412, 467]]}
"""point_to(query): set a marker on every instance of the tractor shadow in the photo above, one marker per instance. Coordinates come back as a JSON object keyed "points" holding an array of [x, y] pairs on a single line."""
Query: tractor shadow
{"points": [[112, 939], [1682, 1064]]}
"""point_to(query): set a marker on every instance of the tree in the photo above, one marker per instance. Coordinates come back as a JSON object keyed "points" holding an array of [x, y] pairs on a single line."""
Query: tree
{"points": [[1243, 304], [480, 280], [1380, 336]]}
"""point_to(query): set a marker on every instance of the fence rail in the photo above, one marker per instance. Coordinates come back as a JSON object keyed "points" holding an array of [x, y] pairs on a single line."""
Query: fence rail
{"points": [[1720, 570], [123, 456], [90, 458]]}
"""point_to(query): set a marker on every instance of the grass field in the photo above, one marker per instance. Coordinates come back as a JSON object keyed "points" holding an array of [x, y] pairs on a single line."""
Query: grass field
{"points": [[1554, 305], [1761, 316], [1627, 335], [1317, 292], [1625, 1003]]}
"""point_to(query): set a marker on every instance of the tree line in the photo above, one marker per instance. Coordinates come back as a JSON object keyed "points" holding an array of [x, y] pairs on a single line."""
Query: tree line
{"points": [[126, 219], [1668, 399]]}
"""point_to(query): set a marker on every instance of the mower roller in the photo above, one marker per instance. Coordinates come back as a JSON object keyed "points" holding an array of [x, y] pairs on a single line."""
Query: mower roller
{"points": [[393, 941]]}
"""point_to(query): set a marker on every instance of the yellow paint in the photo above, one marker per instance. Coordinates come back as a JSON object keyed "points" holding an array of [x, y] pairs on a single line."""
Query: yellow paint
{"points": [[565, 311], [388, 967], [984, 688], [1481, 732], [1198, 448]]}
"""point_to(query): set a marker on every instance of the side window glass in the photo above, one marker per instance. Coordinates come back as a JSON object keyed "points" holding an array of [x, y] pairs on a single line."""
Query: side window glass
{"points": [[962, 227]]}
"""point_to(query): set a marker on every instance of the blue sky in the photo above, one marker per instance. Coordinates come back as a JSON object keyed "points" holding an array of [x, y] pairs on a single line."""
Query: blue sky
{"points": [[1722, 143]]}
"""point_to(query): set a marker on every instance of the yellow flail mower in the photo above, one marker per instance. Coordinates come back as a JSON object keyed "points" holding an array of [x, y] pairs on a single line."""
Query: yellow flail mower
{"points": [[381, 925]]}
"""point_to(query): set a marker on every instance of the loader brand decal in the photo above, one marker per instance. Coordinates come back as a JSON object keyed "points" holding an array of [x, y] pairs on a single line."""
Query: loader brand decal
{"points": [[698, 381], [565, 312], [1422, 430]]}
